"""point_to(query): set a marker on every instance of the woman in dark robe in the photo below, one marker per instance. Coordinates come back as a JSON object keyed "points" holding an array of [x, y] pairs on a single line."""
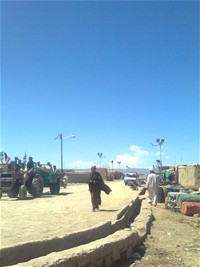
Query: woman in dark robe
{"points": [[95, 184]]}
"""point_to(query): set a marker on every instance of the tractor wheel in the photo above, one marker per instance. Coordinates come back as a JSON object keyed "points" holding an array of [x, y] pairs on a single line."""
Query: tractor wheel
{"points": [[64, 185], [55, 187], [22, 192], [14, 191], [37, 185]]}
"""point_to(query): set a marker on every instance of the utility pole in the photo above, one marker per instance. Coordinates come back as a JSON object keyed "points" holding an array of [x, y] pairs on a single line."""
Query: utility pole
{"points": [[100, 156], [61, 147], [160, 143], [112, 165], [119, 162]]}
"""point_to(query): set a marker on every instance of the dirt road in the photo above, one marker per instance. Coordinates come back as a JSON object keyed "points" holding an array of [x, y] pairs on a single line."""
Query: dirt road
{"points": [[51, 216], [173, 241]]}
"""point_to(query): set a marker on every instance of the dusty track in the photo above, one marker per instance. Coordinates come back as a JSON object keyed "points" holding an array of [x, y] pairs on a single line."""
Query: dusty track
{"points": [[53, 216], [173, 240]]}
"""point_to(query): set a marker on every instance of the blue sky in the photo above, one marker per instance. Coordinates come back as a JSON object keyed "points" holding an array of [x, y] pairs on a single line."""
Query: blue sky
{"points": [[116, 74]]}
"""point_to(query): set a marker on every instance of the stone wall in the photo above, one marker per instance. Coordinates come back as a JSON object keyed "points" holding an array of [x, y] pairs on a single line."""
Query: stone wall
{"points": [[76, 177], [189, 175], [82, 177]]}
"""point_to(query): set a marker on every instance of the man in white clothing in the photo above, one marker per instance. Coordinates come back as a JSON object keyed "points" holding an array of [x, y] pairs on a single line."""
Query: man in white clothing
{"points": [[152, 187]]}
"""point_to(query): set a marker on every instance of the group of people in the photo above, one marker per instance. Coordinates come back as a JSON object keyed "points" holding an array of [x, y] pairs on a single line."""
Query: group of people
{"points": [[31, 164], [96, 185]]}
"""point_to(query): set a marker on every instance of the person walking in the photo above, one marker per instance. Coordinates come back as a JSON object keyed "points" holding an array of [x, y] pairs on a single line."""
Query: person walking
{"points": [[152, 187], [95, 184]]}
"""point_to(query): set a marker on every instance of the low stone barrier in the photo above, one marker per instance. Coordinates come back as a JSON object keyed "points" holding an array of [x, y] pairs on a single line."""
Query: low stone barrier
{"points": [[25, 251], [78, 177]]}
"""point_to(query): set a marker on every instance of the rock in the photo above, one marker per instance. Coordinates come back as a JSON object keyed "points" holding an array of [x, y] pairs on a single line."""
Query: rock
{"points": [[137, 256]]}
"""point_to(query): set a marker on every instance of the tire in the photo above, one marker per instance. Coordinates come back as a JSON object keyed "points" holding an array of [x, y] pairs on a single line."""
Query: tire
{"points": [[55, 187], [37, 186], [22, 192], [63, 183], [14, 191]]}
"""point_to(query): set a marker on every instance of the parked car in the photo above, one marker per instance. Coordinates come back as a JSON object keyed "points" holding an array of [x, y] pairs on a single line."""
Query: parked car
{"points": [[131, 177]]}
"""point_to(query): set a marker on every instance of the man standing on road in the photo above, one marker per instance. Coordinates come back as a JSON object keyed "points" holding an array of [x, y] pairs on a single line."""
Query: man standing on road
{"points": [[29, 174], [95, 182], [30, 163], [152, 187]]}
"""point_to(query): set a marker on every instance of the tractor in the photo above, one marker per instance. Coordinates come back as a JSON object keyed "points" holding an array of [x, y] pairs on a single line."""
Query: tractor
{"points": [[51, 179], [14, 181]]}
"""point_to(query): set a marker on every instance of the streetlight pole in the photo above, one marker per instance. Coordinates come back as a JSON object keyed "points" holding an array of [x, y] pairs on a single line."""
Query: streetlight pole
{"points": [[119, 162], [160, 143], [61, 152], [112, 165], [61, 147], [100, 155]]}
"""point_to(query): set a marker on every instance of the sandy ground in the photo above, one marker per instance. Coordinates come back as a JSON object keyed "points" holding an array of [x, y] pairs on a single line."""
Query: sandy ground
{"points": [[50, 216], [173, 241]]}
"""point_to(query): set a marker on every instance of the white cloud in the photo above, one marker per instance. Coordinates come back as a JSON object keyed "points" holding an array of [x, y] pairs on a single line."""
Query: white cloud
{"points": [[138, 151], [136, 159], [127, 159]]}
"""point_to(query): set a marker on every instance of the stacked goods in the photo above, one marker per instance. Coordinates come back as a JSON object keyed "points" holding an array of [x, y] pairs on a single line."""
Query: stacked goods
{"points": [[189, 204], [190, 208], [187, 197]]}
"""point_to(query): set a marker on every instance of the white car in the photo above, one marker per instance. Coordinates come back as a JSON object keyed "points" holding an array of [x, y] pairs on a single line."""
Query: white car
{"points": [[131, 177]]}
